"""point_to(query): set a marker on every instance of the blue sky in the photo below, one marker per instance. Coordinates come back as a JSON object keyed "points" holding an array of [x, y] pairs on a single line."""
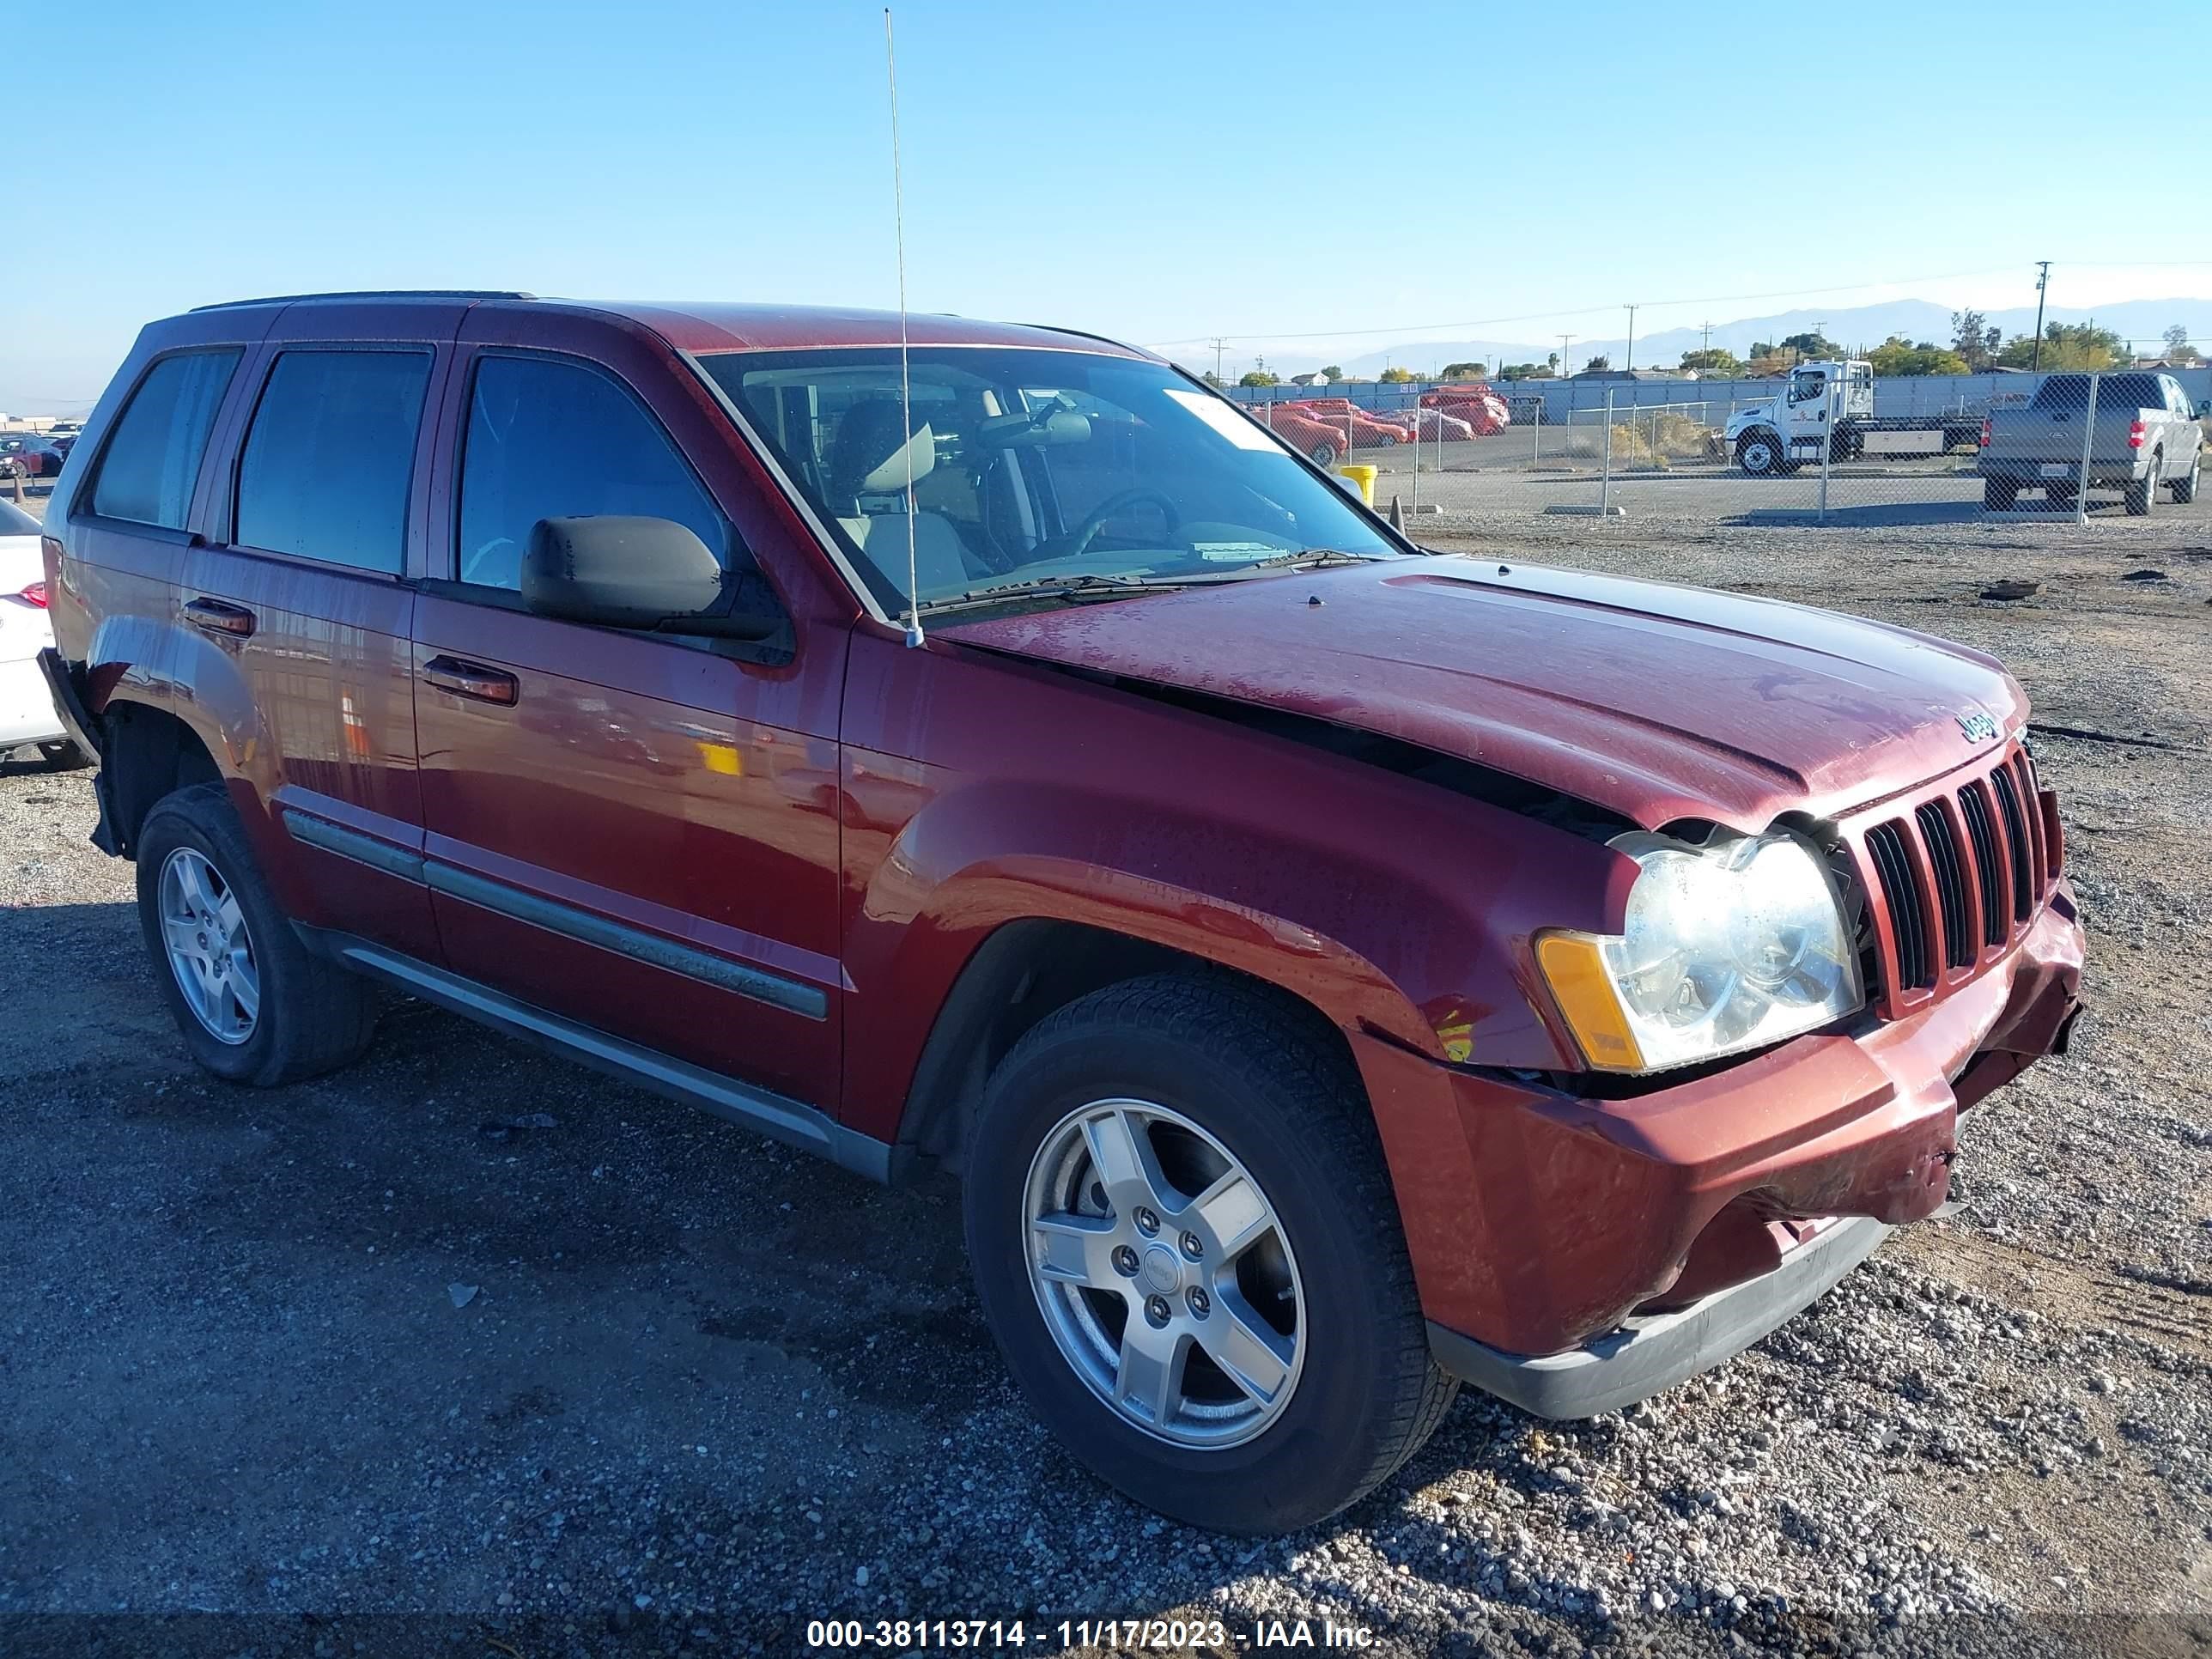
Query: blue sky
{"points": [[1157, 172]]}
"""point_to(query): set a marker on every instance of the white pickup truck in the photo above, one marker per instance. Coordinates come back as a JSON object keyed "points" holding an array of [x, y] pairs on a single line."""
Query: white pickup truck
{"points": [[2146, 434], [1830, 404]]}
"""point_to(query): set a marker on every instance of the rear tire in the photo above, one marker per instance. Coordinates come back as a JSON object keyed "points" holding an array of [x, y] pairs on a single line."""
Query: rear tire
{"points": [[215, 931], [1322, 454], [1998, 494], [64, 756], [1144, 1065], [2140, 492]]}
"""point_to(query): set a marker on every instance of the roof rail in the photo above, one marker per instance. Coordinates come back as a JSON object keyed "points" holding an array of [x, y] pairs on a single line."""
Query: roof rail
{"points": [[375, 294]]}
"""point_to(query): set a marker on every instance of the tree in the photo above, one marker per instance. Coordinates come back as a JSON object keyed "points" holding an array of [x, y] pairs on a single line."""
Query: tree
{"points": [[1717, 360], [1815, 344], [1397, 376], [1599, 363], [2077, 346], [1895, 356], [1465, 371], [1257, 377], [1214, 379], [1333, 373], [1551, 361], [1973, 339], [2177, 349], [1525, 372]]}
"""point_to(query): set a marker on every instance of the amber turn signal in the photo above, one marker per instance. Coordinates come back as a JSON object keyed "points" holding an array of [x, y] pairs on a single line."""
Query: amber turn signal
{"points": [[1582, 988]]}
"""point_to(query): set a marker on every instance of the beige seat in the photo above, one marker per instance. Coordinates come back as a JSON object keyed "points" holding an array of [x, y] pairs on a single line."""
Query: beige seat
{"points": [[868, 483]]}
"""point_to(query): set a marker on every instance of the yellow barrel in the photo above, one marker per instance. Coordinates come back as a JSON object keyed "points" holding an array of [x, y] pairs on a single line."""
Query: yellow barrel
{"points": [[1364, 477]]}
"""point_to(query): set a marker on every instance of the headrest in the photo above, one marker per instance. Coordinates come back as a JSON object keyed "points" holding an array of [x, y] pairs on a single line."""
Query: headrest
{"points": [[869, 457]]}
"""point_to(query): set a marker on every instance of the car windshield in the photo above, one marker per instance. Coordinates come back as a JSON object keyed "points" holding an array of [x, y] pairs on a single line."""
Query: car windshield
{"points": [[1033, 467]]}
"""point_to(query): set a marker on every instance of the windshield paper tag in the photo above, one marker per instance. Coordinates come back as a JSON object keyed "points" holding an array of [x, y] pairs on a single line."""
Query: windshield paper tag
{"points": [[1241, 430], [1234, 552]]}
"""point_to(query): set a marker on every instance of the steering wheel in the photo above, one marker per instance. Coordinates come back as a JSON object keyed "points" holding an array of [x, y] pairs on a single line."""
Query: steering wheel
{"points": [[1076, 542]]}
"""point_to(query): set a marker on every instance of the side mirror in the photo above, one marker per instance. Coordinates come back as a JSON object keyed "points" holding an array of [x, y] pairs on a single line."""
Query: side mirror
{"points": [[620, 572]]}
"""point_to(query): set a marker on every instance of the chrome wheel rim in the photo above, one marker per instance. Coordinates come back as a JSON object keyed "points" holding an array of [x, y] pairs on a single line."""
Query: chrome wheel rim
{"points": [[210, 949], [1757, 457], [1164, 1274]]}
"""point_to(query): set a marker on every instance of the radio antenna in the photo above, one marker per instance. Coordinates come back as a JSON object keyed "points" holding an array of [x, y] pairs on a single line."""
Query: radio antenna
{"points": [[913, 634]]}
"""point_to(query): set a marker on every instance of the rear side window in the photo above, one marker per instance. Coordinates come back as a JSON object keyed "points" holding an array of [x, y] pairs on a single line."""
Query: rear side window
{"points": [[327, 463], [147, 474], [2113, 391], [554, 439]]}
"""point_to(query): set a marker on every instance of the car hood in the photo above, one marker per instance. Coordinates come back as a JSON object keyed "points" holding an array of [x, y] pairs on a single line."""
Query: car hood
{"points": [[1654, 701]]}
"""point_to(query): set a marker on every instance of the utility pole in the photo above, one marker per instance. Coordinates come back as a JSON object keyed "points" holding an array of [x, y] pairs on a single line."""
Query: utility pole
{"points": [[1630, 363], [2043, 276], [1219, 346], [1708, 353], [1565, 367]]}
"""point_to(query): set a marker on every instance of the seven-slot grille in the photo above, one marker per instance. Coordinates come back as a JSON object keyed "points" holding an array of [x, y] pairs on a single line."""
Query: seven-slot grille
{"points": [[1961, 875]]}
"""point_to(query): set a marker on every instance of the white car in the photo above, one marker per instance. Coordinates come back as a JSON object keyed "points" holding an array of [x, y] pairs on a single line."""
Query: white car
{"points": [[27, 708]]}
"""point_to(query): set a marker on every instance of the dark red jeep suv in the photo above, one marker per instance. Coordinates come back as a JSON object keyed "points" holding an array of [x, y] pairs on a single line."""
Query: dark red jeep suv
{"points": [[1333, 970]]}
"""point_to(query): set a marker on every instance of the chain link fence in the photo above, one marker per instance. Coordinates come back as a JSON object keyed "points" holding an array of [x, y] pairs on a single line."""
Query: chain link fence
{"points": [[1827, 443]]}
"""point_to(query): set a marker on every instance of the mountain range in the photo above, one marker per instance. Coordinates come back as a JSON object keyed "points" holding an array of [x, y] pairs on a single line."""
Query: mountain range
{"points": [[1855, 327]]}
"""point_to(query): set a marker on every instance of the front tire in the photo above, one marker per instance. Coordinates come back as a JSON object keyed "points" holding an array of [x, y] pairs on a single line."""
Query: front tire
{"points": [[1760, 454], [64, 756], [253, 1006], [2184, 489], [1187, 1245], [1322, 454]]}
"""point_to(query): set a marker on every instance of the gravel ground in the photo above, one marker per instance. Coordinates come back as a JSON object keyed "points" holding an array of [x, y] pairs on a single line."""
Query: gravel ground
{"points": [[324, 1358]]}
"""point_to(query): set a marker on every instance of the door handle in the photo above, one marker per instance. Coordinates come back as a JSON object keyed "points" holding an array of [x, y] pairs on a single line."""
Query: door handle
{"points": [[474, 680], [219, 616]]}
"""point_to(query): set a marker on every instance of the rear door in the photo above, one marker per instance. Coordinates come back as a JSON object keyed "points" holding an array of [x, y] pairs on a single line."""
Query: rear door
{"points": [[308, 584], [637, 831]]}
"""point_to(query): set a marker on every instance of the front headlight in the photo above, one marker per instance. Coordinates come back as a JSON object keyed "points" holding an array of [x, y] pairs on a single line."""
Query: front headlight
{"points": [[1727, 946]]}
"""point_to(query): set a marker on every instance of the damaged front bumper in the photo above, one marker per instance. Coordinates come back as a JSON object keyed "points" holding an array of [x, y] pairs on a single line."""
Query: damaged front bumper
{"points": [[1654, 1236]]}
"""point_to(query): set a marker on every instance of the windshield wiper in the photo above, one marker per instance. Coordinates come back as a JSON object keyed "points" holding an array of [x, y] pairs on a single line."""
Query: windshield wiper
{"points": [[1090, 586], [1317, 556], [1076, 586]]}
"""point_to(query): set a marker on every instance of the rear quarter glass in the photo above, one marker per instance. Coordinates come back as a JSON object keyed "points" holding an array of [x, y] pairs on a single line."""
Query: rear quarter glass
{"points": [[148, 468]]}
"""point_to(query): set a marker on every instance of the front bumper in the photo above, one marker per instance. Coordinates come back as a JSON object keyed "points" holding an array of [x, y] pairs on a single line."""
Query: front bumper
{"points": [[1591, 1217], [1647, 1354]]}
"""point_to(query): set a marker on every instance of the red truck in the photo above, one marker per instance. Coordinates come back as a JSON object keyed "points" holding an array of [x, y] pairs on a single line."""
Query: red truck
{"points": [[1333, 971]]}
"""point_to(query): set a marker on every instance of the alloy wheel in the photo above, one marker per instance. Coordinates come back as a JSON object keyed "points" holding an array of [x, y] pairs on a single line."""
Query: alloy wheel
{"points": [[1164, 1273], [210, 949]]}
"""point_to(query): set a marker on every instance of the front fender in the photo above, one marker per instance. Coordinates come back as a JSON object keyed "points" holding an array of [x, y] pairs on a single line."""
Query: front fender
{"points": [[1392, 935]]}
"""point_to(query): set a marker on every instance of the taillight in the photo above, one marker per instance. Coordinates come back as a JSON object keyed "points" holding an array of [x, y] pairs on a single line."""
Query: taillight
{"points": [[34, 594], [1985, 432], [2135, 434]]}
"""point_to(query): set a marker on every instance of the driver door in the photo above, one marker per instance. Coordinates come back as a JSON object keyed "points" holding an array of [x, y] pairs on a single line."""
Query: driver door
{"points": [[634, 830]]}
